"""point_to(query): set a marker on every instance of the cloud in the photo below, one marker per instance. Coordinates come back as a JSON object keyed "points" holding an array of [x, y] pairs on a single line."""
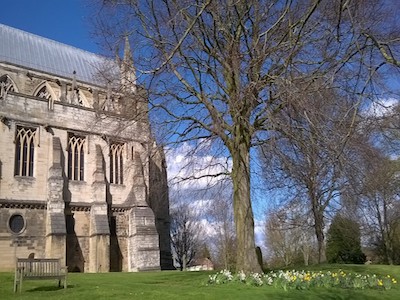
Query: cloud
{"points": [[191, 168], [382, 107], [201, 204], [209, 229], [259, 226]]}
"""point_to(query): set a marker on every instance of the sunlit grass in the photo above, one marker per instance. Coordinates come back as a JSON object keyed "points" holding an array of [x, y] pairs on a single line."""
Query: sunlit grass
{"points": [[192, 285]]}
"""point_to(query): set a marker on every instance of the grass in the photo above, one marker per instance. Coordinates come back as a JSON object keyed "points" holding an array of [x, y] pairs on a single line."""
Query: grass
{"points": [[186, 285]]}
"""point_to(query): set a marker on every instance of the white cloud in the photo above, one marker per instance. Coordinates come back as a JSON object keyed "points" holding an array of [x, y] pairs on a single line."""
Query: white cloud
{"points": [[382, 107], [201, 204], [209, 229], [188, 169], [259, 226]]}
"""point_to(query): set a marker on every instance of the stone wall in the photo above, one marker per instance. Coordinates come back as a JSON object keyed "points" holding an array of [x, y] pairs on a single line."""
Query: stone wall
{"points": [[92, 224], [31, 240]]}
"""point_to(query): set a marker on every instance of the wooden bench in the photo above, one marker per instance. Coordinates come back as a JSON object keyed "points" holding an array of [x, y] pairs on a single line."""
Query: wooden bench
{"points": [[37, 269]]}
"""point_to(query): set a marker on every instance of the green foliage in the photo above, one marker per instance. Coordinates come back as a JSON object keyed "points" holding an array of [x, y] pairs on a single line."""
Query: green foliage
{"points": [[343, 242]]}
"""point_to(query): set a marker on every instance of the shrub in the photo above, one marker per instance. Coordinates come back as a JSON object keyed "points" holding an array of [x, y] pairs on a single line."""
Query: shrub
{"points": [[343, 242]]}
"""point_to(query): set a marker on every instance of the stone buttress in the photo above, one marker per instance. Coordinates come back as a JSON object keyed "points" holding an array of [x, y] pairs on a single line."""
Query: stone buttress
{"points": [[55, 224], [99, 241], [143, 240]]}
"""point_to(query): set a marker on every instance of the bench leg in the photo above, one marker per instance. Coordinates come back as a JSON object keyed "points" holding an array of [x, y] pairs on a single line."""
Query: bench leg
{"points": [[15, 284], [17, 280]]}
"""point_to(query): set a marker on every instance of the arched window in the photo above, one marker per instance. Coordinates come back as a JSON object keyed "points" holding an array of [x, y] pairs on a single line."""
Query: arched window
{"points": [[44, 93], [116, 163], [82, 101], [76, 157], [6, 85], [24, 151]]}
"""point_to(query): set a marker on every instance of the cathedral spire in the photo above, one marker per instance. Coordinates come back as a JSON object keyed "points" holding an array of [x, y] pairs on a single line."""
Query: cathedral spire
{"points": [[128, 72], [127, 52]]}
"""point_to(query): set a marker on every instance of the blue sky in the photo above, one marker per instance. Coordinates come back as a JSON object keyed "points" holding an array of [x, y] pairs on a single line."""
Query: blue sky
{"points": [[65, 21]]}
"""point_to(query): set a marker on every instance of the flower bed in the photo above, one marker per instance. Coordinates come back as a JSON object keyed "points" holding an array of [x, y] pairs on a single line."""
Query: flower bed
{"points": [[306, 279]]}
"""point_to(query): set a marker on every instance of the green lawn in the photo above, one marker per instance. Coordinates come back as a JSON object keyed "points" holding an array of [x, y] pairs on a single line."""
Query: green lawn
{"points": [[186, 285]]}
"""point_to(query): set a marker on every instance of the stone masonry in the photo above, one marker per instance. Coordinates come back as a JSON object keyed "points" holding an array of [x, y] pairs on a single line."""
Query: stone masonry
{"points": [[81, 178]]}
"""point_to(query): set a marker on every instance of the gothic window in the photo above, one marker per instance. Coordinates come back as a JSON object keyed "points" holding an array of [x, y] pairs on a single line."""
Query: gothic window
{"points": [[44, 93], [24, 151], [76, 155], [6, 85], [82, 101], [116, 163]]}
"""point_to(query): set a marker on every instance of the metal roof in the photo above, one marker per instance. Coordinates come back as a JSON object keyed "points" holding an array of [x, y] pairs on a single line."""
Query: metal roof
{"points": [[38, 53]]}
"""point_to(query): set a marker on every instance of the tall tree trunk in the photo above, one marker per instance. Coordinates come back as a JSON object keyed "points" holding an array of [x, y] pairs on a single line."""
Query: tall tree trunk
{"points": [[305, 249], [387, 239], [319, 232], [243, 213], [318, 213]]}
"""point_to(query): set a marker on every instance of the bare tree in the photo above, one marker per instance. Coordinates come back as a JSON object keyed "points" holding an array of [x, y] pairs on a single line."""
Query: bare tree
{"points": [[309, 149], [375, 182], [288, 233], [380, 205], [280, 239], [224, 240], [218, 68], [185, 235]]}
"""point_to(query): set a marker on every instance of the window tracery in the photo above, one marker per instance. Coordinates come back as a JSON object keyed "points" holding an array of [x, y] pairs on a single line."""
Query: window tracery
{"points": [[24, 151], [6, 85], [76, 157], [44, 93], [116, 163]]}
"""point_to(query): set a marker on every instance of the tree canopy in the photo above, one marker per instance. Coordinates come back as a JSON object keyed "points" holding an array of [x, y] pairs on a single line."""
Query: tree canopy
{"points": [[216, 70]]}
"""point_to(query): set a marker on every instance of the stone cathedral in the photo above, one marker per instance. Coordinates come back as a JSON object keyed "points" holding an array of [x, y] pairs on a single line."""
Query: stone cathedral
{"points": [[81, 177]]}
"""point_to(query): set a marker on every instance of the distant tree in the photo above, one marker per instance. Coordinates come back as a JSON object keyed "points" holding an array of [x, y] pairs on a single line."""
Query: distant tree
{"points": [[280, 239], [205, 252], [288, 235], [380, 203], [344, 241], [221, 214], [185, 236]]}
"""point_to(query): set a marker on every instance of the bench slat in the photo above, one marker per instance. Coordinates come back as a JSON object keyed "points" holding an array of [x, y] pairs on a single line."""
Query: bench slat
{"points": [[40, 268]]}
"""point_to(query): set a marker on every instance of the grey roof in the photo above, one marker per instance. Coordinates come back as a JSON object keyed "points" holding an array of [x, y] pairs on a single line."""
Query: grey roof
{"points": [[38, 53]]}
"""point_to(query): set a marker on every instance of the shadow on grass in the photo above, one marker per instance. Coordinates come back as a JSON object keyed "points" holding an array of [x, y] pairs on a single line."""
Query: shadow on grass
{"points": [[48, 288]]}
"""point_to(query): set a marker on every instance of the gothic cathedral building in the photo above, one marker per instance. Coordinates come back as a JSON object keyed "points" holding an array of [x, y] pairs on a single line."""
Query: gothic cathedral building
{"points": [[81, 178]]}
